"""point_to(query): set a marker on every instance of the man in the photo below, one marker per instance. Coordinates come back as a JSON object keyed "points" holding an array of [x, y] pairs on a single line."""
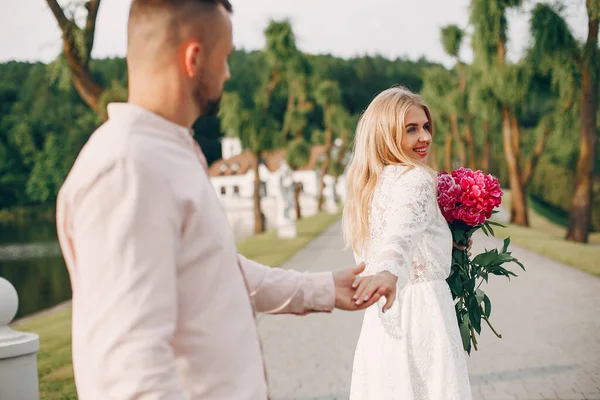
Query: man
{"points": [[161, 305]]}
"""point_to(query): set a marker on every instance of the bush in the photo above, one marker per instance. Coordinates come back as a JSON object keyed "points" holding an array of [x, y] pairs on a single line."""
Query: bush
{"points": [[554, 185]]}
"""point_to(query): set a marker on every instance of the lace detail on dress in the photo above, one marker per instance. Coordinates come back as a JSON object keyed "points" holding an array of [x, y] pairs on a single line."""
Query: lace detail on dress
{"points": [[412, 351]]}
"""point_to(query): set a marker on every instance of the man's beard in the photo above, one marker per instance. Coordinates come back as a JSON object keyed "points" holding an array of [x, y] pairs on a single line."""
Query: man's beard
{"points": [[207, 107], [211, 107]]}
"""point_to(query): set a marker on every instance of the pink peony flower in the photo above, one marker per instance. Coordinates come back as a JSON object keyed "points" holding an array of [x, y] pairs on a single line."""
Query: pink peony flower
{"points": [[468, 196]]}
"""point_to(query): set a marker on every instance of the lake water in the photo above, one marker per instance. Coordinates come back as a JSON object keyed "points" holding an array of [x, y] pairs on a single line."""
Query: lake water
{"points": [[30, 259]]}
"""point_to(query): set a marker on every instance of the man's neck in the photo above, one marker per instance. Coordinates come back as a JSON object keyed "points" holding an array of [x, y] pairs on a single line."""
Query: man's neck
{"points": [[165, 100]]}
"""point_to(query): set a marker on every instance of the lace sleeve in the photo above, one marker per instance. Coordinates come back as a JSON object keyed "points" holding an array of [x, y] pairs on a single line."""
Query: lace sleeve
{"points": [[408, 204]]}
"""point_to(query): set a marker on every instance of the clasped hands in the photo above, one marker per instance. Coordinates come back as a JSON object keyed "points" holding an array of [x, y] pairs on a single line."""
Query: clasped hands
{"points": [[357, 293]]}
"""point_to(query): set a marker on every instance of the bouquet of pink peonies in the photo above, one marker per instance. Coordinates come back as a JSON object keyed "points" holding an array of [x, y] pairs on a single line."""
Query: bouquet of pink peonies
{"points": [[467, 200]]}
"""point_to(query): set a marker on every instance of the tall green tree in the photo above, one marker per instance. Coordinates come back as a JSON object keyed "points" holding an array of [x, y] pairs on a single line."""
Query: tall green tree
{"points": [[328, 97], [509, 84], [258, 132], [439, 90], [297, 155], [575, 70], [452, 37]]}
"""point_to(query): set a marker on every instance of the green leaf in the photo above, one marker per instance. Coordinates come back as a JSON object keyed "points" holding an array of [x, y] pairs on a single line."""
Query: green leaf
{"points": [[485, 230], [465, 334], [488, 306], [455, 284], [470, 285], [496, 224], [490, 228], [475, 314], [506, 243], [458, 235], [479, 295]]}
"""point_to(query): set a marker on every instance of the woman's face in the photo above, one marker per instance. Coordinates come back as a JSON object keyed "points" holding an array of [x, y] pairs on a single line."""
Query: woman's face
{"points": [[417, 136]]}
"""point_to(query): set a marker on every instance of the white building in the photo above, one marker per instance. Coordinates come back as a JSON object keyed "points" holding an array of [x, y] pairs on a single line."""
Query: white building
{"points": [[233, 180]]}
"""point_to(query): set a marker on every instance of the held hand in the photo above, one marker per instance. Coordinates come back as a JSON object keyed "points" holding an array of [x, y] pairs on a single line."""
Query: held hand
{"points": [[371, 288], [343, 280], [463, 248]]}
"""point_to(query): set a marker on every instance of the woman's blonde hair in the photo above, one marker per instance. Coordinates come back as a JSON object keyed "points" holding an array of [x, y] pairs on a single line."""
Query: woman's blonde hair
{"points": [[377, 143]]}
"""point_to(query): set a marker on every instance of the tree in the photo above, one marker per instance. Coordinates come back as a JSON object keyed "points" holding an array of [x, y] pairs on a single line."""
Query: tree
{"points": [[77, 47], [280, 49], [439, 90], [509, 84], [484, 104], [328, 97], [574, 68], [452, 37], [297, 155], [258, 132]]}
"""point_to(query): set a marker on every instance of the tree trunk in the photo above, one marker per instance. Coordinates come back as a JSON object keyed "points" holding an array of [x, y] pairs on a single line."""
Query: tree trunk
{"points": [[324, 167], [581, 206], [486, 159], [518, 203], [533, 160], [259, 226], [272, 84], [457, 139], [470, 141], [85, 85], [516, 137], [78, 58], [297, 189], [448, 152]]}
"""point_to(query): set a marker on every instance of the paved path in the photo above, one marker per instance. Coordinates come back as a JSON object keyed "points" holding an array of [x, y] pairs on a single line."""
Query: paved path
{"points": [[549, 317]]}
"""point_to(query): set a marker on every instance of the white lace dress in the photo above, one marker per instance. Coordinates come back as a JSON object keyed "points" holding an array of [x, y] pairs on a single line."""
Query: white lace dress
{"points": [[414, 350]]}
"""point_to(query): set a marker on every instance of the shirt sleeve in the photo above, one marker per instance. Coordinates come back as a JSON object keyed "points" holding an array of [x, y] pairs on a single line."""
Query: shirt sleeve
{"points": [[279, 291], [125, 234]]}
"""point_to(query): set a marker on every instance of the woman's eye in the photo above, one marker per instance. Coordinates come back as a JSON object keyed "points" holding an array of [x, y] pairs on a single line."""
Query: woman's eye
{"points": [[411, 130]]}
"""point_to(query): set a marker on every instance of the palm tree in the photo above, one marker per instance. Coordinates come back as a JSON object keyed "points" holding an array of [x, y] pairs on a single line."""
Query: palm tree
{"points": [[508, 82], [258, 132], [328, 97], [484, 104], [280, 49], [297, 155], [439, 90], [452, 37], [574, 67]]}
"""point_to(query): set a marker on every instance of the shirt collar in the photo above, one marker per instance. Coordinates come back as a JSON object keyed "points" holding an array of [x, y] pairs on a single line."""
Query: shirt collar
{"points": [[133, 114]]}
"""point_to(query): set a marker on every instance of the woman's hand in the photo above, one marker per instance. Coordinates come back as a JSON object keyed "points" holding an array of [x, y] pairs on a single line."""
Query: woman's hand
{"points": [[372, 288], [463, 248]]}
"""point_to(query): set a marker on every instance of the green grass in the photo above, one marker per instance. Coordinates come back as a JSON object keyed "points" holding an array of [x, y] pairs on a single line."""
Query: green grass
{"points": [[268, 249], [54, 357], [547, 238]]}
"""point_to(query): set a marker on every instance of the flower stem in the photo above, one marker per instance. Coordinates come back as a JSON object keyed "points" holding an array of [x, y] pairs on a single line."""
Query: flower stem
{"points": [[491, 327], [473, 338]]}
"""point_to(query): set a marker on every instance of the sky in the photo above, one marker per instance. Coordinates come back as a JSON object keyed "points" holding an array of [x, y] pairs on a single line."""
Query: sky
{"points": [[345, 28]]}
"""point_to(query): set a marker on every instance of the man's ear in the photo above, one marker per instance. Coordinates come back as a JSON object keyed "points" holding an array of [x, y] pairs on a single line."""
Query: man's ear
{"points": [[193, 58]]}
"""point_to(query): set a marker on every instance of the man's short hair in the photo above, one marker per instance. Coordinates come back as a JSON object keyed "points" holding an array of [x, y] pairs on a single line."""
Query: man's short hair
{"points": [[174, 14], [141, 5]]}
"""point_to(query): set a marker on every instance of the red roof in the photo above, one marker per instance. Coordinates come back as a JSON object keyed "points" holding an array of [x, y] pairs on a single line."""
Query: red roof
{"points": [[240, 164]]}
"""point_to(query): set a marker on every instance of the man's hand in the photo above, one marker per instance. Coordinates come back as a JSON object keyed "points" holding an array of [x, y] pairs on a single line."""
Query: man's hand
{"points": [[344, 291], [372, 288]]}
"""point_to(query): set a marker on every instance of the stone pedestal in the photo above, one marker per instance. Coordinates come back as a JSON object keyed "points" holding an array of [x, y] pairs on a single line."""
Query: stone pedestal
{"points": [[18, 365]]}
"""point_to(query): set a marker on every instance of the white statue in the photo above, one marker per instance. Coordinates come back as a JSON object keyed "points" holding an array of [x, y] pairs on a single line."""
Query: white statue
{"points": [[286, 217]]}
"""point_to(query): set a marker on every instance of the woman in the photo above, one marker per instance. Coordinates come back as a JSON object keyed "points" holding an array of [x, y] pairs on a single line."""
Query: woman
{"points": [[411, 350]]}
